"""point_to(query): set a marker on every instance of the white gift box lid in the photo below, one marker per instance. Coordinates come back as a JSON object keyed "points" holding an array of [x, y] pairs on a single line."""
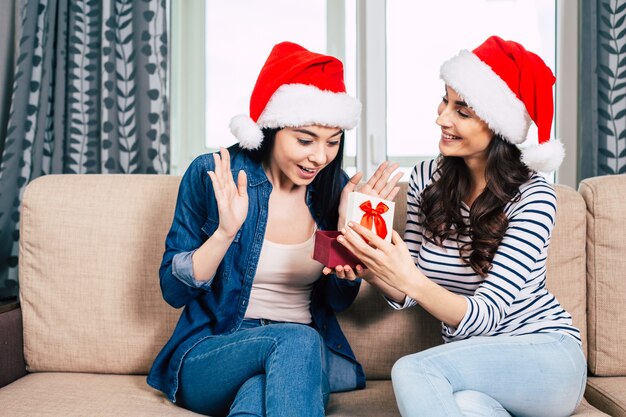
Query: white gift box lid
{"points": [[379, 210]]}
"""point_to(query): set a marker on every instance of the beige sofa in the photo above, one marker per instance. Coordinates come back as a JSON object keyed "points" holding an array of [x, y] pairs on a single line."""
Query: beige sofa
{"points": [[94, 319]]}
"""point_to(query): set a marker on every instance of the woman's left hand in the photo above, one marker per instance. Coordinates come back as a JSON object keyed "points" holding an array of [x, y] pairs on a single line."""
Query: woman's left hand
{"points": [[381, 184], [345, 272], [390, 262]]}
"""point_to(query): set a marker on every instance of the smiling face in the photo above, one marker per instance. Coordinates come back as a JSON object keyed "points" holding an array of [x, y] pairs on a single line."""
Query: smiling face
{"points": [[300, 153], [463, 133]]}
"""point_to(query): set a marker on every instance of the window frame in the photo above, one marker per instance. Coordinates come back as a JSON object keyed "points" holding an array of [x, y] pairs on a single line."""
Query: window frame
{"points": [[187, 95], [566, 106]]}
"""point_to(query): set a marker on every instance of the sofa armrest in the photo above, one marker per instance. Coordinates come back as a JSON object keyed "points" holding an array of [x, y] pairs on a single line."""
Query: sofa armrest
{"points": [[12, 364]]}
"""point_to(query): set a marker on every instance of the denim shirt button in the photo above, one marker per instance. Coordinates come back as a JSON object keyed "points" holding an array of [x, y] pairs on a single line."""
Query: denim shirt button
{"points": [[339, 346]]}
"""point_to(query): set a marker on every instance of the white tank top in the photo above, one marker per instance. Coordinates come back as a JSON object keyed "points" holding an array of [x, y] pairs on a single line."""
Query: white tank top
{"points": [[281, 289]]}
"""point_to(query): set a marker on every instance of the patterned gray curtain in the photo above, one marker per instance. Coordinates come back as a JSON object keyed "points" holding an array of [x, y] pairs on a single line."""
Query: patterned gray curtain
{"points": [[89, 96], [603, 88]]}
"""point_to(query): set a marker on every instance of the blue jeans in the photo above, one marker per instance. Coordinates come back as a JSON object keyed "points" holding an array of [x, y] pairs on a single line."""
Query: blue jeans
{"points": [[532, 375], [263, 369]]}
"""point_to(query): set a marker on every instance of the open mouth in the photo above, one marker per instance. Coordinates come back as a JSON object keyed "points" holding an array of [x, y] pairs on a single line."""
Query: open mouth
{"points": [[450, 137], [307, 170]]}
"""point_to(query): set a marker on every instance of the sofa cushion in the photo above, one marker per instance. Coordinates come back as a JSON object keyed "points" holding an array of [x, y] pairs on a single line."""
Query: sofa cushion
{"points": [[380, 335], [376, 400], [606, 263], [607, 394], [51, 394], [566, 276], [90, 248]]}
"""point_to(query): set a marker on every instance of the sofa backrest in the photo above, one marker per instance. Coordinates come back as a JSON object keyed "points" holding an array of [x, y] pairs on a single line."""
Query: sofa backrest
{"points": [[566, 277], [606, 273], [91, 246], [380, 335]]}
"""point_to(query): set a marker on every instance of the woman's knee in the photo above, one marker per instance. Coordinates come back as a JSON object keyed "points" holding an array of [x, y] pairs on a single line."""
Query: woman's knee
{"points": [[300, 338], [304, 334], [399, 369], [410, 366], [475, 403]]}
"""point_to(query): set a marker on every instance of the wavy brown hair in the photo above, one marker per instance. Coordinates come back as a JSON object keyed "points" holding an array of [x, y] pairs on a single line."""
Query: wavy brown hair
{"points": [[441, 200]]}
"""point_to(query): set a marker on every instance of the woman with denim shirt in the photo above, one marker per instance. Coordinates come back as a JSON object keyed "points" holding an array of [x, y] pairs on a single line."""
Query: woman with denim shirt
{"points": [[474, 255], [258, 334]]}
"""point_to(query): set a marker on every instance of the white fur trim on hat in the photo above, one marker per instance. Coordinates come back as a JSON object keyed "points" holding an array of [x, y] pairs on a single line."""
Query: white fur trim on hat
{"points": [[295, 105], [488, 95], [545, 157], [246, 131]]}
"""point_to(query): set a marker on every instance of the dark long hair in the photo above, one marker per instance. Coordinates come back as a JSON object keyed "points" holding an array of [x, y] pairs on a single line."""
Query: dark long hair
{"points": [[327, 184], [441, 201]]}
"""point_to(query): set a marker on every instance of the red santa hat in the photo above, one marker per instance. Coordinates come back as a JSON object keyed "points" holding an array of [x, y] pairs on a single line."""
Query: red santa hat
{"points": [[509, 88], [296, 87]]}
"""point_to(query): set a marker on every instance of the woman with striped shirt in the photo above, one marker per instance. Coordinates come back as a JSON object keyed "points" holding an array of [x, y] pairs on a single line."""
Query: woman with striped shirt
{"points": [[474, 253]]}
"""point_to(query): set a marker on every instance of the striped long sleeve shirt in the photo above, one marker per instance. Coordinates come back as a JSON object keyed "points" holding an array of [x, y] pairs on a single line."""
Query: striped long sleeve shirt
{"points": [[512, 299]]}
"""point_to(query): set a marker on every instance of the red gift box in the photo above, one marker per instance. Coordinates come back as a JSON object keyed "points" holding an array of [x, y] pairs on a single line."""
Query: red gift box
{"points": [[329, 252]]}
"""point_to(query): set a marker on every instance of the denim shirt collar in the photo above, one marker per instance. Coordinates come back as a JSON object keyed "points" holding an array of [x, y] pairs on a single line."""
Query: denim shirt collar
{"points": [[256, 176], [254, 171]]}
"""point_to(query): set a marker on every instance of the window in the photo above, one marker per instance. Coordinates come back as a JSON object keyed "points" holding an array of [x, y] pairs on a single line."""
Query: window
{"points": [[239, 37], [219, 48], [391, 51], [422, 35]]}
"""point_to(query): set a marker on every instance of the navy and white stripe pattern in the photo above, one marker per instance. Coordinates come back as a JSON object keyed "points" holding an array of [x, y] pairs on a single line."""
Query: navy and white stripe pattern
{"points": [[512, 299]]}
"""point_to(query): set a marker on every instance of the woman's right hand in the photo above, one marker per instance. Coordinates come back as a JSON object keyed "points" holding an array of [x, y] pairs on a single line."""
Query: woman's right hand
{"points": [[232, 199]]}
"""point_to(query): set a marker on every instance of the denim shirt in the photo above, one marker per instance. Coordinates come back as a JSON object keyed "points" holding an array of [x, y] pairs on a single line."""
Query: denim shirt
{"points": [[218, 306]]}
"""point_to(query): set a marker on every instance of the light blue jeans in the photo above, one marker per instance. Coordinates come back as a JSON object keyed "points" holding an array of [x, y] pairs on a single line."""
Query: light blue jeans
{"points": [[534, 375], [263, 369]]}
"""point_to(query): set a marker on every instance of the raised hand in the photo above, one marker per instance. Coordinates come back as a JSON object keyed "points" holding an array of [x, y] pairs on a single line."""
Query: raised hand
{"points": [[232, 199], [379, 185]]}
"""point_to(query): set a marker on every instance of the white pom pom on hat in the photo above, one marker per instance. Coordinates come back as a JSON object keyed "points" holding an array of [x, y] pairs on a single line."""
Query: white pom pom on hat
{"points": [[544, 157], [246, 131]]}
